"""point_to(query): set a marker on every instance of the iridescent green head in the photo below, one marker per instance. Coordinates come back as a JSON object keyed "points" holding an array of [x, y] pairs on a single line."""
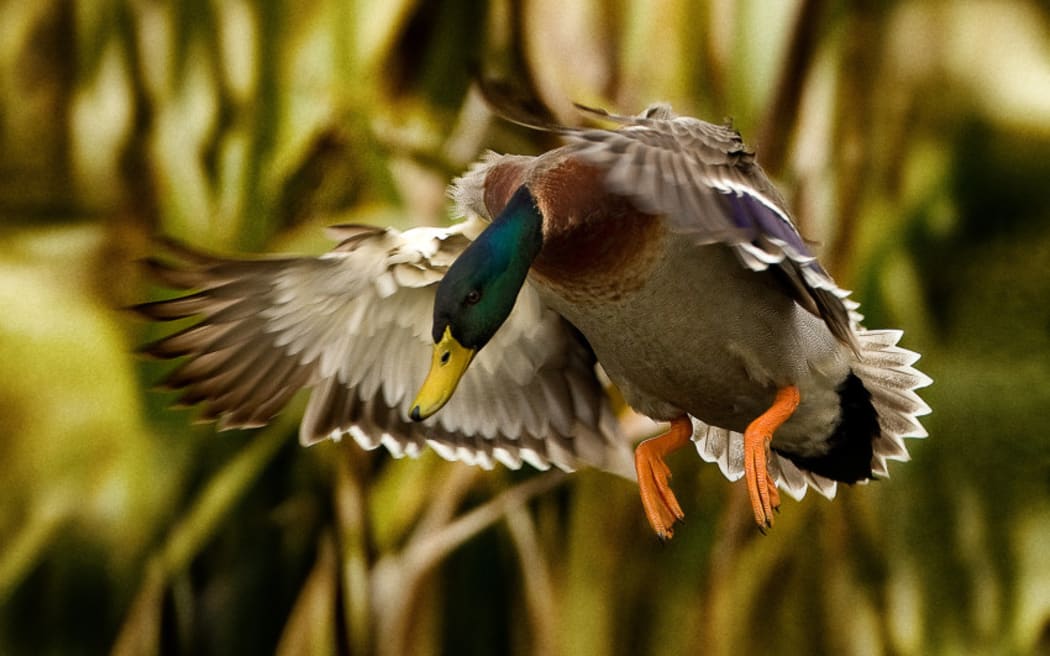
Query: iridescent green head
{"points": [[477, 295]]}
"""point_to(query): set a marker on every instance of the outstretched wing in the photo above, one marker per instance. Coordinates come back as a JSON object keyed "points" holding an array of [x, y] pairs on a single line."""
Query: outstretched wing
{"points": [[708, 185], [354, 325]]}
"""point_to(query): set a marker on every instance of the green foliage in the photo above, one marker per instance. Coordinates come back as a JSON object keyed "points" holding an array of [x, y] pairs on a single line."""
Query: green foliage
{"points": [[912, 138]]}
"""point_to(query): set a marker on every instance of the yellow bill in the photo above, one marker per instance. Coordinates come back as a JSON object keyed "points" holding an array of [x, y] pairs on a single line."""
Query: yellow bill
{"points": [[449, 364]]}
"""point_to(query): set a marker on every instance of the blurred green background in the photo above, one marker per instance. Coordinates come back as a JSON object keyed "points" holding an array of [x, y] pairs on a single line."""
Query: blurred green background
{"points": [[912, 139]]}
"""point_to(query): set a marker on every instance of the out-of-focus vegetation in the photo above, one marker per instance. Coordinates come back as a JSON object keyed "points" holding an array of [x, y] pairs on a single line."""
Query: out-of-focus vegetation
{"points": [[913, 139]]}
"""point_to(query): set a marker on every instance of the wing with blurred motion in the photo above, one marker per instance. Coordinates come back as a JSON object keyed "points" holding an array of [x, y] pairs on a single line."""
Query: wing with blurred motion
{"points": [[354, 325]]}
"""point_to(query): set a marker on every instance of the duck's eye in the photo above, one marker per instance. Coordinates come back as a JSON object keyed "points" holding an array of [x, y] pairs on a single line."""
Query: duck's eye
{"points": [[473, 296]]}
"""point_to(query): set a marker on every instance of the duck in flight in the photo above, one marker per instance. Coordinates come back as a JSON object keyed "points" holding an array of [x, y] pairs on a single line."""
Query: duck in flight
{"points": [[658, 250]]}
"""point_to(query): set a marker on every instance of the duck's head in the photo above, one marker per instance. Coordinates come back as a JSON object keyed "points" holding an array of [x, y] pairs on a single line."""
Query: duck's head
{"points": [[477, 295]]}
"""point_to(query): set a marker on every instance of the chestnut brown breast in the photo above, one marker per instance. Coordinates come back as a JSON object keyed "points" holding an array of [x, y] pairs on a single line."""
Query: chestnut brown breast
{"points": [[596, 246]]}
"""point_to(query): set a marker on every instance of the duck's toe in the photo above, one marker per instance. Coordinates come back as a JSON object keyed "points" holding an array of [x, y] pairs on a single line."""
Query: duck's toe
{"points": [[761, 488], [661, 507]]}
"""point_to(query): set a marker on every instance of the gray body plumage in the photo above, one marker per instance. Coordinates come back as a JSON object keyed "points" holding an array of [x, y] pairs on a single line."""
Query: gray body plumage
{"points": [[706, 337]]}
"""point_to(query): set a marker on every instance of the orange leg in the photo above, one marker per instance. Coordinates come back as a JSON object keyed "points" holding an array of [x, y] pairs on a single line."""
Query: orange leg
{"points": [[661, 507], [760, 485]]}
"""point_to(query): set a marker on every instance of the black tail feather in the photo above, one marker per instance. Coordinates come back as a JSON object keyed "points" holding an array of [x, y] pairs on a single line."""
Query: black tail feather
{"points": [[848, 458]]}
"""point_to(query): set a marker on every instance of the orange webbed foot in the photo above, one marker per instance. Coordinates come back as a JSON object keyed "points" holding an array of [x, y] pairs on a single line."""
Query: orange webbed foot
{"points": [[761, 488], [661, 507]]}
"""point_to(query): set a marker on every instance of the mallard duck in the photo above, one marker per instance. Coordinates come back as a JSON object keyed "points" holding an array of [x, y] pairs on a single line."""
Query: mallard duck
{"points": [[658, 250]]}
